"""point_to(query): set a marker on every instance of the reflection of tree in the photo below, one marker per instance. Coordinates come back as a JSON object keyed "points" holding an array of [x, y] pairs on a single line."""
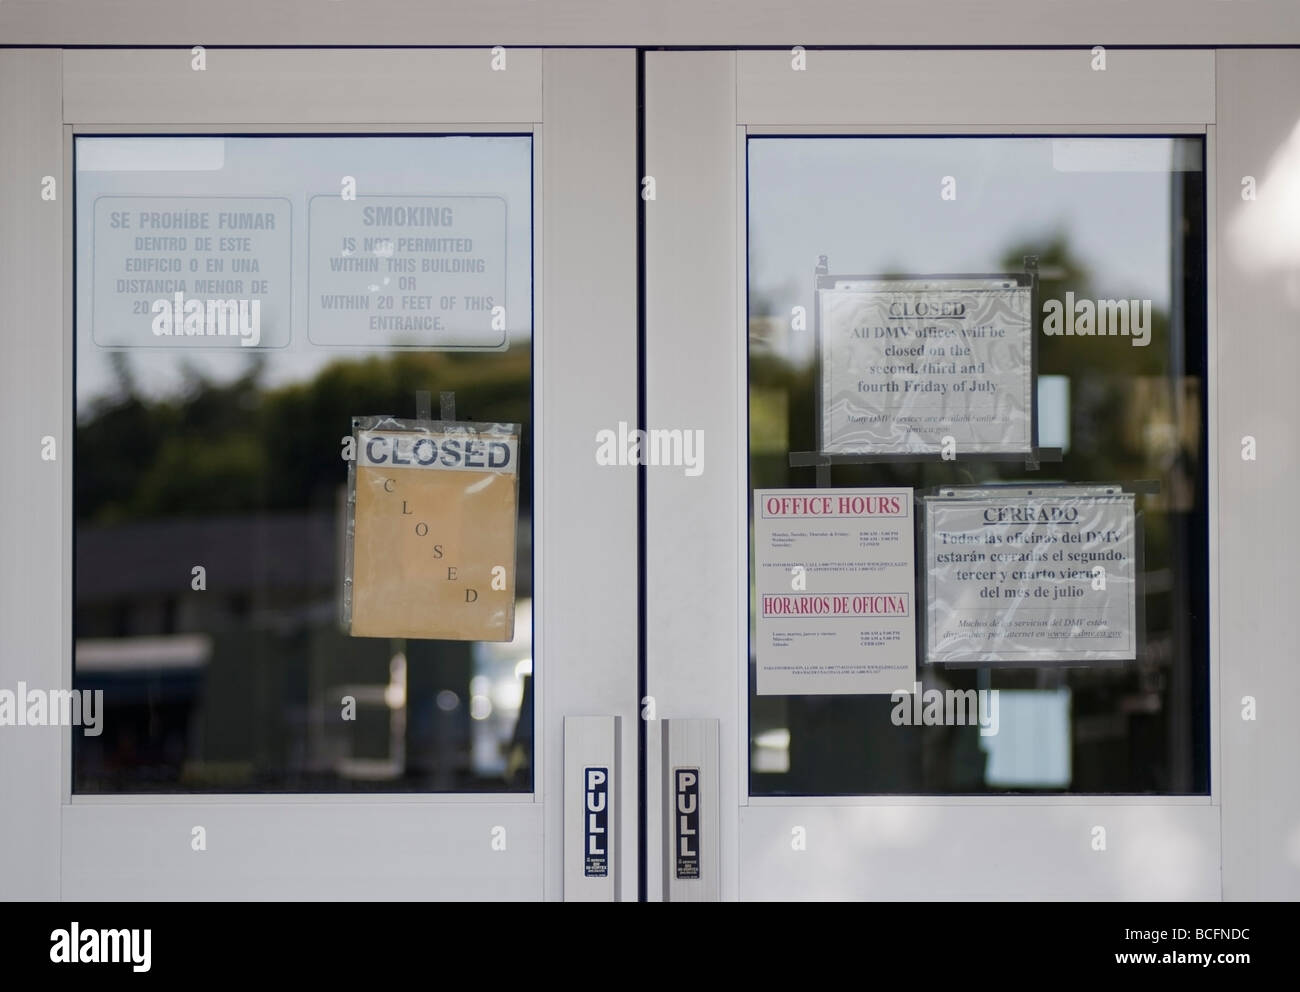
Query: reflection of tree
{"points": [[238, 446], [1121, 396], [1061, 271]]}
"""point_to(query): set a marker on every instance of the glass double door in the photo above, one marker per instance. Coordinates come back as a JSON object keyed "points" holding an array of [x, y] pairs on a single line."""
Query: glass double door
{"points": [[820, 593]]}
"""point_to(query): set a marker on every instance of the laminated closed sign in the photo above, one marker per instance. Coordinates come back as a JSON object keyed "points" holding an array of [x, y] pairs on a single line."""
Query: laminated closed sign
{"points": [[432, 523], [931, 365], [1037, 575]]}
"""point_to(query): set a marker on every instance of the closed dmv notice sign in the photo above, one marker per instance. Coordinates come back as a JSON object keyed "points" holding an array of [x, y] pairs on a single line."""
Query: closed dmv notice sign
{"points": [[1040, 576], [908, 363]]}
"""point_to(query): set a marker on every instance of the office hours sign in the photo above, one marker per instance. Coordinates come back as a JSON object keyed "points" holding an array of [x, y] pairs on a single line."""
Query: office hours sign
{"points": [[433, 513], [918, 366], [834, 580], [1035, 576]]}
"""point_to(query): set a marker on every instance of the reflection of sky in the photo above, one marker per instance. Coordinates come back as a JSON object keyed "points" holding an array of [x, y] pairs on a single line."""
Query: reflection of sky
{"points": [[295, 168], [873, 206]]}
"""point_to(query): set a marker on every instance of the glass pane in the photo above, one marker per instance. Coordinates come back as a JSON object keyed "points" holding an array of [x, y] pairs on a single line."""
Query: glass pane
{"points": [[1113, 218], [380, 266]]}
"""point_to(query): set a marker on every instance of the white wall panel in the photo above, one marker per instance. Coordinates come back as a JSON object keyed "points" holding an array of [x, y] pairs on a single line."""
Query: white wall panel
{"points": [[1259, 533], [33, 566]]}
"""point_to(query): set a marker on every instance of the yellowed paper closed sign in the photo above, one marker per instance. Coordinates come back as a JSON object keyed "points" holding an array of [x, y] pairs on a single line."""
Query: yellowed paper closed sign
{"points": [[434, 515]]}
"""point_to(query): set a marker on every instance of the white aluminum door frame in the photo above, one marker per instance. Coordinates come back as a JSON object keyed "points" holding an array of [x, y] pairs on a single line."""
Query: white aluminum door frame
{"points": [[579, 106], [656, 23], [700, 107]]}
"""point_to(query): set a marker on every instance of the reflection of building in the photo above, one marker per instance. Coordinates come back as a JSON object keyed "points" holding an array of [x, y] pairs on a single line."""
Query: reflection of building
{"points": [[233, 686]]}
